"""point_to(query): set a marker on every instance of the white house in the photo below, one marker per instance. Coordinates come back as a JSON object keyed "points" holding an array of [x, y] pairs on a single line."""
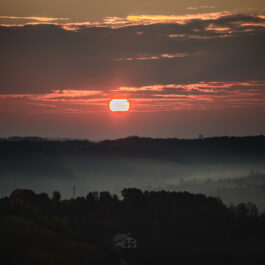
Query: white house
{"points": [[124, 241]]}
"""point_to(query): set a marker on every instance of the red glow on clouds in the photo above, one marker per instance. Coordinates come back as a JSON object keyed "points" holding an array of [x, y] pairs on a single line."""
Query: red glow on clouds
{"points": [[203, 95]]}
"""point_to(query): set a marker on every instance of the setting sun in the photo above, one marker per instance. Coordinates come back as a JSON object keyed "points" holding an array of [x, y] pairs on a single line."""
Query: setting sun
{"points": [[119, 105]]}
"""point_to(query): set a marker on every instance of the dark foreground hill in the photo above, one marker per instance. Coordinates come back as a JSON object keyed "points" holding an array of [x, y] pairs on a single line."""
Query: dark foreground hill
{"points": [[170, 228]]}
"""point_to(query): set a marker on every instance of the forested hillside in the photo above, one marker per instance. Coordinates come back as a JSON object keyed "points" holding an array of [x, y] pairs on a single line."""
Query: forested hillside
{"points": [[170, 228]]}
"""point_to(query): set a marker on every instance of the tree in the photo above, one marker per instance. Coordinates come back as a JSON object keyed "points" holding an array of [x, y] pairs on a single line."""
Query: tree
{"points": [[105, 197], [132, 194], [56, 196]]}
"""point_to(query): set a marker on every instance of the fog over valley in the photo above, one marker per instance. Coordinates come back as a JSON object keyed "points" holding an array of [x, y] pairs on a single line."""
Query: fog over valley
{"points": [[231, 168]]}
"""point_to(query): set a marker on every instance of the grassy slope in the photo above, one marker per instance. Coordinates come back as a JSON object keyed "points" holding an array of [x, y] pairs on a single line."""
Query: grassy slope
{"points": [[24, 242]]}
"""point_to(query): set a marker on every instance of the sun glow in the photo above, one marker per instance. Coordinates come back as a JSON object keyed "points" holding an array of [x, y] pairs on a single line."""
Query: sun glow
{"points": [[119, 105]]}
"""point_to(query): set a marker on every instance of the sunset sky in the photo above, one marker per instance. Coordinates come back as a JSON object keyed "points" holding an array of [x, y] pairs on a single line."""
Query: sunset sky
{"points": [[186, 67]]}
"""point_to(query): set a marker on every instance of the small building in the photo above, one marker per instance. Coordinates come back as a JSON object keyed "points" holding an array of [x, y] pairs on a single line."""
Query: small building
{"points": [[124, 241]]}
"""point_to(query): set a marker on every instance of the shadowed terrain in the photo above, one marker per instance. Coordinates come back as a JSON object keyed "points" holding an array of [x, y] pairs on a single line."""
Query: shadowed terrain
{"points": [[170, 228], [228, 167]]}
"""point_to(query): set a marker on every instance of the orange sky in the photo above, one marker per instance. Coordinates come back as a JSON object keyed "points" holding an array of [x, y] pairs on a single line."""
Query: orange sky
{"points": [[186, 69], [95, 10]]}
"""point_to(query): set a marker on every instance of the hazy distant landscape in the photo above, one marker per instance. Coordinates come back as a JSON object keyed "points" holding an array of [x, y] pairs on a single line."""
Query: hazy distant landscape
{"points": [[231, 168]]}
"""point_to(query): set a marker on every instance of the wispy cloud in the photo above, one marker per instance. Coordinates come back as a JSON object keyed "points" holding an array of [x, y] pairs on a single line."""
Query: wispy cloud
{"points": [[181, 19], [205, 97], [218, 21], [194, 95], [202, 95], [154, 57], [119, 22], [216, 28], [40, 19], [200, 7], [57, 95]]}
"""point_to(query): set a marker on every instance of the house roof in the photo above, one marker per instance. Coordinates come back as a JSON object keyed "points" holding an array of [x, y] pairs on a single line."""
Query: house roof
{"points": [[120, 237]]}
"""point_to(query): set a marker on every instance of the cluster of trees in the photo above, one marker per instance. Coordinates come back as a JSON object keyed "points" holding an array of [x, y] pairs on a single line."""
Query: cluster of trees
{"points": [[170, 227]]}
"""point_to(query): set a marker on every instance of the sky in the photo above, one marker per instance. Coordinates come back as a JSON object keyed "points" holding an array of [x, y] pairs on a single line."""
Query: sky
{"points": [[186, 67]]}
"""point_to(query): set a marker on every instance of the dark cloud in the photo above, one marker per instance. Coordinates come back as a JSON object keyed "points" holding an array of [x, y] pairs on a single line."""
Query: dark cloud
{"points": [[41, 58]]}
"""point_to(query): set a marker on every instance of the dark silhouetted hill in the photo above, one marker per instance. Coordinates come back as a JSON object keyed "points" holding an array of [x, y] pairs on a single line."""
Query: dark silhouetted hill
{"points": [[170, 228]]}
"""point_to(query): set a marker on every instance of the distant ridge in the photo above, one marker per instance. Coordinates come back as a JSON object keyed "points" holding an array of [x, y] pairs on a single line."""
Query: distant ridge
{"points": [[134, 137]]}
